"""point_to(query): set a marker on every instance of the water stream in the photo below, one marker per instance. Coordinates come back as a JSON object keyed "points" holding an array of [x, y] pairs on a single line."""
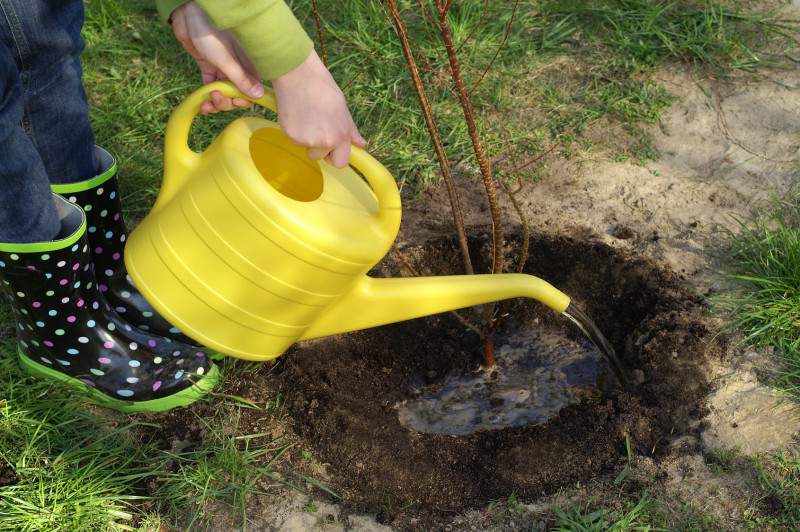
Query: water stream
{"points": [[590, 330], [539, 371]]}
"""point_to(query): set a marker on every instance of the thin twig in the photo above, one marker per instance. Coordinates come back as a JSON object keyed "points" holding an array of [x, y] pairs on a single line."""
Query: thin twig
{"points": [[381, 57], [478, 25], [364, 65], [526, 231], [480, 155], [487, 339], [433, 131], [499, 48], [539, 157], [319, 31], [440, 75], [404, 260]]}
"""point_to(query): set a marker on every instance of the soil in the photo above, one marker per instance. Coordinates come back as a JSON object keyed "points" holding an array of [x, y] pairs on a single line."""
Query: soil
{"points": [[627, 243], [350, 382]]}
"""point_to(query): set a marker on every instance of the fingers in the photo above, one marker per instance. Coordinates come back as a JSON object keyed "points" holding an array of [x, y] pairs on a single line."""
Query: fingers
{"points": [[337, 154], [218, 55], [338, 157], [221, 50], [227, 66], [316, 154], [356, 138], [312, 109], [219, 102]]}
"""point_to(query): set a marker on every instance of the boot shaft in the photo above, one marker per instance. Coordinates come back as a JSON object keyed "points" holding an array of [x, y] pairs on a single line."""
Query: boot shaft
{"points": [[67, 330], [100, 200]]}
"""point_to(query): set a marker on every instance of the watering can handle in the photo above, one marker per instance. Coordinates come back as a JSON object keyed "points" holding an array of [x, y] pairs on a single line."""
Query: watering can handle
{"points": [[179, 159]]}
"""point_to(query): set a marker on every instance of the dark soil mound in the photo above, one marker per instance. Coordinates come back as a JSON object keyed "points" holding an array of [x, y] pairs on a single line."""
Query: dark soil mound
{"points": [[343, 387]]}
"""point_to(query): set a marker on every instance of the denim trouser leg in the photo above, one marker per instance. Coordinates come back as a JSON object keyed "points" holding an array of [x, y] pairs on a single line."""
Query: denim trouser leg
{"points": [[45, 135], [27, 210]]}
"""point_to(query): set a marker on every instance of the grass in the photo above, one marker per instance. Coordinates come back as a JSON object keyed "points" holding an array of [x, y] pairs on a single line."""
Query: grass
{"points": [[583, 519], [645, 33], [66, 468], [509, 505], [605, 54], [566, 64], [780, 479], [224, 469], [760, 260], [723, 460]]}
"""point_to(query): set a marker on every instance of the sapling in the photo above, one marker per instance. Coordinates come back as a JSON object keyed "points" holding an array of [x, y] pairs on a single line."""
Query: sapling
{"points": [[436, 15], [439, 21]]}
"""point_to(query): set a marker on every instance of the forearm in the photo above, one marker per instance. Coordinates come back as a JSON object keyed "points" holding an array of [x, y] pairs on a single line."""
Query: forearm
{"points": [[266, 29], [312, 110]]}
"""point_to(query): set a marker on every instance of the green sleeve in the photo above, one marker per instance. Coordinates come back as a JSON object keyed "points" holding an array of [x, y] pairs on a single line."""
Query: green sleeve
{"points": [[267, 30], [166, 7]]}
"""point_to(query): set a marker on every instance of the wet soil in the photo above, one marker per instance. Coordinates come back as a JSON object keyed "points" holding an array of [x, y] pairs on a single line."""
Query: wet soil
{"points": [[344, 387]]}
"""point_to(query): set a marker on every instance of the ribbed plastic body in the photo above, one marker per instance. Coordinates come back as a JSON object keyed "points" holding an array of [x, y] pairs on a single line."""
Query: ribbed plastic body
{"points": [[239, 265]]}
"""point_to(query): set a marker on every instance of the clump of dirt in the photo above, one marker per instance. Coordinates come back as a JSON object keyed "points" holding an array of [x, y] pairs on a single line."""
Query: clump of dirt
{"points": [[344, 387], [7, 476]]}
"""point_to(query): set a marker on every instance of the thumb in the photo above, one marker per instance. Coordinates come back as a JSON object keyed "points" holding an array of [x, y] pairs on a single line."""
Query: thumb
{"points": [[248, 84], [232, 69], [356, 138]]}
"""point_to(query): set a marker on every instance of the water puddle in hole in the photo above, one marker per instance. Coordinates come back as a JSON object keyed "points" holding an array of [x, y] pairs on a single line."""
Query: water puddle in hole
{"points": [[540, 370]]}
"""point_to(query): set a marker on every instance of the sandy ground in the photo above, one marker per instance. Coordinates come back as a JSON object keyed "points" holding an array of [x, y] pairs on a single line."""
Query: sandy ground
{"points": [[722, 155]]}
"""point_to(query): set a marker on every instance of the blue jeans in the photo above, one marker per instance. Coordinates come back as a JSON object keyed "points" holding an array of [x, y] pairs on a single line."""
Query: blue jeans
{"points": [[45, 135]]}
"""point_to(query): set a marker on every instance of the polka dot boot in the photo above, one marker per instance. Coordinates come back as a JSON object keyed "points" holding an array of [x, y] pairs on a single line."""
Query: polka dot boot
{"points": [[66, 330], [99, 198]]}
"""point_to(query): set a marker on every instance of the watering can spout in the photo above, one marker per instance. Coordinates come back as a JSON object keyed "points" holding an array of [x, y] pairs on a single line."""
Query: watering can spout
{"points": [[374, 302]]}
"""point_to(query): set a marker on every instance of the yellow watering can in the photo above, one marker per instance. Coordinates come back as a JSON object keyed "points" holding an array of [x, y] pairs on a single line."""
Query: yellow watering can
{"points": [[250, 247]]}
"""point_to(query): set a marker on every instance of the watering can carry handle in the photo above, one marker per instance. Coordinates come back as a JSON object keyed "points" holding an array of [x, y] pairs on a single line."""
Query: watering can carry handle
{"points": [[179, 159]]}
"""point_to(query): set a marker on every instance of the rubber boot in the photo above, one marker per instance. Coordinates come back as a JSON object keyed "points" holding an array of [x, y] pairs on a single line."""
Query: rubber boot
{"points": [[99, 199], [66, 330]]}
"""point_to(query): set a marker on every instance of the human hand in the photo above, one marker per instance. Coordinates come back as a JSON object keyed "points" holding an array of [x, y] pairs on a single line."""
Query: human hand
{"points": [[313, 113], [218, 55]]}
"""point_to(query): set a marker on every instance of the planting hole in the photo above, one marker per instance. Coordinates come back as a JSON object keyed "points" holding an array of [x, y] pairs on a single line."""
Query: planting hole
{"points": [[345, 389], [342, 392]]}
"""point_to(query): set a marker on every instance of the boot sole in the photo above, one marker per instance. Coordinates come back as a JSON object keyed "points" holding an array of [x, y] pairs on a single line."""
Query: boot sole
{"points": [[198, 390]]}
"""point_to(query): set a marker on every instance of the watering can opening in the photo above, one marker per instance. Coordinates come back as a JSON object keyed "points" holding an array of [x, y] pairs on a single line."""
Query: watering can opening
{"points": [[285, 166]]}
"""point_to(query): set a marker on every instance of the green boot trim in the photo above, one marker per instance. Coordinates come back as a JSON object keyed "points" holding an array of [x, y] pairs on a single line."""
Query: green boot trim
{"points": [[108, 169], [70, 216], [187, 396]]}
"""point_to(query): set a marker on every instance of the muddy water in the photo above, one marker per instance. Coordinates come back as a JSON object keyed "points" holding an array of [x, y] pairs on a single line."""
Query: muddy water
{"points": [[539, 371]]}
